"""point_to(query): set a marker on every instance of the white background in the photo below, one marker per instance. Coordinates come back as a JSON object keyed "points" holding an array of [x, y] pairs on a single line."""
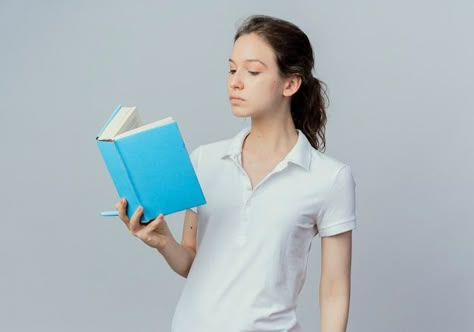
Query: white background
{"points": [[401, 114]]}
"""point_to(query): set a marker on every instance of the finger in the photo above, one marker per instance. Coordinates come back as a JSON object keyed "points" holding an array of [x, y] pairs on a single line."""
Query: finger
{"points": [[135, 220], [122, 211], [154, 224]]}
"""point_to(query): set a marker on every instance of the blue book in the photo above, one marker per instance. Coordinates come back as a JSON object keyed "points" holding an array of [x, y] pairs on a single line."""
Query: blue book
{"points": [[149, 164]]}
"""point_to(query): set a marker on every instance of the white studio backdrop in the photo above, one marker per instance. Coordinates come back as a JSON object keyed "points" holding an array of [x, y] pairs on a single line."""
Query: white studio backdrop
{"points": [[400, 82]]}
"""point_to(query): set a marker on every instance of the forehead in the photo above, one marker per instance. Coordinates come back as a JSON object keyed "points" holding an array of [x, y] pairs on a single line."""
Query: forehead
{"points": [[251, 46]]}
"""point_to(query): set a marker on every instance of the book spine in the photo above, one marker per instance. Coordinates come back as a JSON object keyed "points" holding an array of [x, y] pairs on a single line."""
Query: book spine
{"points": [[119, 174], [132, 199]]}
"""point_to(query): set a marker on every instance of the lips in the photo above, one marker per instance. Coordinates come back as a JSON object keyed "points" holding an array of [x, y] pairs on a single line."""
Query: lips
{"points": [[236, 98]]}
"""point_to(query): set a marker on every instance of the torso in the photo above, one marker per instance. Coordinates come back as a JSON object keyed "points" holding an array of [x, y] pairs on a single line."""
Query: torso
{"points": [[253, 247]]}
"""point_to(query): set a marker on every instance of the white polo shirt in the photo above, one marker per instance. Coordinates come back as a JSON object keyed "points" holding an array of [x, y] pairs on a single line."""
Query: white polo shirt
{"points": [[253, 245]]}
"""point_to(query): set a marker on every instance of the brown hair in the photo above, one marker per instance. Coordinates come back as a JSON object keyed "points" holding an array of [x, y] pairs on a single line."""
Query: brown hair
{"points": [[294, 56]]}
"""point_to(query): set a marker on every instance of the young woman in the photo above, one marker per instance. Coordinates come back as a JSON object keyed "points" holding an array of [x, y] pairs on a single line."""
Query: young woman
{"points": [[270, 190]]}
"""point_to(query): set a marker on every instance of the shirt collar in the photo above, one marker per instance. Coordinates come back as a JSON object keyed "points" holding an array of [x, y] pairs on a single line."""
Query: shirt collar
{"points": [[300, 154]]}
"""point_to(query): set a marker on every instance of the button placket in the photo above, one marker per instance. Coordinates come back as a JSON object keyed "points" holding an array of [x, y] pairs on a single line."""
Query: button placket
{"points": [[247, 195], [241, 234]]}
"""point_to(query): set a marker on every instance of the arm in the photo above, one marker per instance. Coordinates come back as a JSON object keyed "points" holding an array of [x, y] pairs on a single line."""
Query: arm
{"points": [[335, 285], [180, 257], [157, 234]]}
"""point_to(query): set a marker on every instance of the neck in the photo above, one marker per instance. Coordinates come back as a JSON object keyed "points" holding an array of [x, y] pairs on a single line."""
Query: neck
{"points": [[273, 135]]}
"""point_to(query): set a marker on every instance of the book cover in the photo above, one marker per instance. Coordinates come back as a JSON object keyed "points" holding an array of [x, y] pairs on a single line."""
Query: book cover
{"points": [[152, 168]]}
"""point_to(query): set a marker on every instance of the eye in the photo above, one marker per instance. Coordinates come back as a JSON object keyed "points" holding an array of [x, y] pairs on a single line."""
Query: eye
{"points": [[254, 73], [232, 71]]}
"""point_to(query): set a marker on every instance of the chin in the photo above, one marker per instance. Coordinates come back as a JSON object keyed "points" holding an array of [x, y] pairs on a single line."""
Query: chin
{"points": [[240, 112]]}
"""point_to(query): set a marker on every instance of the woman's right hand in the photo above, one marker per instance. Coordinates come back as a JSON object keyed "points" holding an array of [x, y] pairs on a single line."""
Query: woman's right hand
{"points": [[155, 234]]}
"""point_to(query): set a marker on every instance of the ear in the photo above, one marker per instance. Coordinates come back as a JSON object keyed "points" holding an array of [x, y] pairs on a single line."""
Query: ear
{"points": [[292, 85]]}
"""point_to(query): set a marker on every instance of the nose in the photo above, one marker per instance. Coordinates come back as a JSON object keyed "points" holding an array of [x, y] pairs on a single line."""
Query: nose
{"points": [[235, 81]]}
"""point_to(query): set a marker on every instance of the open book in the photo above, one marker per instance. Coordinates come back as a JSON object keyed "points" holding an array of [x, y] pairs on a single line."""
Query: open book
{"points": [[126, 121], [149, 164]]}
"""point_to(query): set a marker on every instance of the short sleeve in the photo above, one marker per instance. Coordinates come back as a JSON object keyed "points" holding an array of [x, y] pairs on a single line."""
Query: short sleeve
{"points": [[195, 156], [339, 213]]}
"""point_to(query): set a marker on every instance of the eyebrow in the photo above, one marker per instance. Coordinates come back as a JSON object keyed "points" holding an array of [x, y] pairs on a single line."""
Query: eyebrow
{"points": [[250, 60]]}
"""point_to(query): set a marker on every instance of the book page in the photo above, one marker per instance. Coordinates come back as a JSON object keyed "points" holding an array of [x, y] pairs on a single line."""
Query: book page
{"points": [[131, 122], [158, 123], [126, 119]]}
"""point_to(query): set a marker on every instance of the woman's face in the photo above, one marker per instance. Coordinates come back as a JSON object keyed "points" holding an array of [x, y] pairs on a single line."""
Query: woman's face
{"points": [[254, 84]]}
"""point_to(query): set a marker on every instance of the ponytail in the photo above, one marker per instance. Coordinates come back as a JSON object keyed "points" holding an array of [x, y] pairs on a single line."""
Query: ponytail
{"points": [[308, 110]]}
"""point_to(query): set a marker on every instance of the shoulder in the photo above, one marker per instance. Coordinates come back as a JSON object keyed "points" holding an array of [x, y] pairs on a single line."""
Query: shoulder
{"points": [[326, 163], [329, 171], [223, 147], [209, 155], [216, 148]]}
